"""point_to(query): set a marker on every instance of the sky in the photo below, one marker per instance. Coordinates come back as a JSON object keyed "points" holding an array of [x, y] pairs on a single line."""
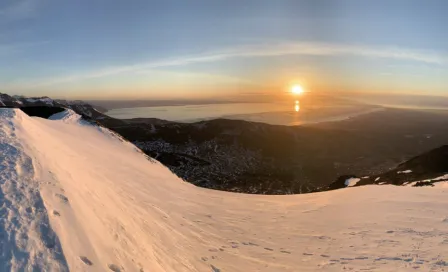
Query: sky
{"points": [[114, 49]]}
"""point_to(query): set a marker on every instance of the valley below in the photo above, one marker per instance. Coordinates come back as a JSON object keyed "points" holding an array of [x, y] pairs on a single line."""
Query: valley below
{"points": [[258, 158]]}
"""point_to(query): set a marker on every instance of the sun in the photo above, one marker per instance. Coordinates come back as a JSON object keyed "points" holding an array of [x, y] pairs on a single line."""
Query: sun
{"points": [[297, 89]]}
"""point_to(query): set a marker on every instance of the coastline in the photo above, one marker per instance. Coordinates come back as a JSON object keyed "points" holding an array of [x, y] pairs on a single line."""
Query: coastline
{"points": [[269, 113]]}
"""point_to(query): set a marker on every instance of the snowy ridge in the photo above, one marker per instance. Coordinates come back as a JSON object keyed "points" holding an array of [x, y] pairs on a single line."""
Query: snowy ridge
{"points": [[66, 116], [113, 210], [27, 238]]}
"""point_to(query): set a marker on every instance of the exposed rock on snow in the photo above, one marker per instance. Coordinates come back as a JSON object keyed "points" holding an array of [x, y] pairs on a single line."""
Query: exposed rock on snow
{"points": [[423, 170]]}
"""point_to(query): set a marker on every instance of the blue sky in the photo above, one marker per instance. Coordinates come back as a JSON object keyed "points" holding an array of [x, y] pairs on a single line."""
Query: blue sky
{"points": [[178, 49]]}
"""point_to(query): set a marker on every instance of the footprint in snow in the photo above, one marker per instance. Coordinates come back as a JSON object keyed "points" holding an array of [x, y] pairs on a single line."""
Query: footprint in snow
{"points": [[62, 197], [85, 260], [249, 244], [114, 268]]}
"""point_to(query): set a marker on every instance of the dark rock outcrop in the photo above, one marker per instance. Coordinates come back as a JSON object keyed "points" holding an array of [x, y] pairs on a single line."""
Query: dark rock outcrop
{"points": [[41, 111]]}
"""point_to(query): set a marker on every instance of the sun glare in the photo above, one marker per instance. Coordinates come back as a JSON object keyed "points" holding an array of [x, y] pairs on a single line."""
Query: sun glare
{"points": [[297, 89]]}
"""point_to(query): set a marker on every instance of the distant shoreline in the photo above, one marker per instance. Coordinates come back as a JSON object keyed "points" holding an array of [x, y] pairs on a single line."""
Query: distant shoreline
{"points": [[115, 105], [268, 113]]}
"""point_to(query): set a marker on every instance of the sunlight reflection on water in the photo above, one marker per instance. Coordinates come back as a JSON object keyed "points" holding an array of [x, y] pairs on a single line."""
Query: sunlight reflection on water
{"points": [[297, 106]]}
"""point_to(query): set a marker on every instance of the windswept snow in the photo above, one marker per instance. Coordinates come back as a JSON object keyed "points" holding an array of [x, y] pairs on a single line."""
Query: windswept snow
{"points": [[112, 209]]}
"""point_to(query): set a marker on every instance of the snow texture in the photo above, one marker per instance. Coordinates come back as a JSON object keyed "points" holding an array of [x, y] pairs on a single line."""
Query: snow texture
{"points": [[27, 240], [78, 197]]}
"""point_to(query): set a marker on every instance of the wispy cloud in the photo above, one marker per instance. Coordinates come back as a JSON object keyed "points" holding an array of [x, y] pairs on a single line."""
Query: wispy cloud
{"points": [[9, 48], [264, 50], [20, 9]]}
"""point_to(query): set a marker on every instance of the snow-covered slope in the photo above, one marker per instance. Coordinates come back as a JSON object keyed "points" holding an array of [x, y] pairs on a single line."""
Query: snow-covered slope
{"points": [[27, 240], [75, 196]]}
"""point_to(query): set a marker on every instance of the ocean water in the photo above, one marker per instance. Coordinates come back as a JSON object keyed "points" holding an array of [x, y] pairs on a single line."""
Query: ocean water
{"points": [[279, 113]]}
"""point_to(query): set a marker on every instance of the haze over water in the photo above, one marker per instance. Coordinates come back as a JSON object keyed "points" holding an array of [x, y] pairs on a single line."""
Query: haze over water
{"points": [[279, 113]]}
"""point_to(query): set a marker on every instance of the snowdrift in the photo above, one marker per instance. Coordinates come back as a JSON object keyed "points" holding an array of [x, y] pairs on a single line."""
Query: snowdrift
{"points": [[76, 197]]}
